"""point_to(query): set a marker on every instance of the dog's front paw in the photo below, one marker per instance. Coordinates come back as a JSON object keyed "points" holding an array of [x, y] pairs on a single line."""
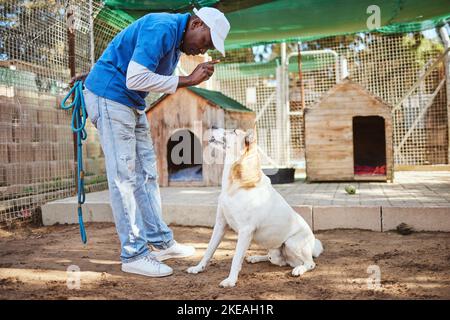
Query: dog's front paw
{"points": [[228, 283], [298, 271], [196, 269]]}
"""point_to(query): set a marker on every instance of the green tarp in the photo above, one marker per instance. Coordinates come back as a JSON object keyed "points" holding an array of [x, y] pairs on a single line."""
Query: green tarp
{"points": [[260, 21]]}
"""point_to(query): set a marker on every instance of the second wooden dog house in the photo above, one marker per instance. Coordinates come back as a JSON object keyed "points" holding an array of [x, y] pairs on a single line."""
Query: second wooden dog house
{"points": [[348, 136], [181, 120]]}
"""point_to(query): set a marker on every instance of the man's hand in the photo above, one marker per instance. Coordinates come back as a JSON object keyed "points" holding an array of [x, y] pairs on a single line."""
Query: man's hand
{"points": [[81, 77], [201, 73]]}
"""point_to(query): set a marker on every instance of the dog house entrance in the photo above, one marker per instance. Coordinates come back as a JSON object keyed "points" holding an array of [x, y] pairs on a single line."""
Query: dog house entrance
{"points": [[369, 146], [184, 158]]}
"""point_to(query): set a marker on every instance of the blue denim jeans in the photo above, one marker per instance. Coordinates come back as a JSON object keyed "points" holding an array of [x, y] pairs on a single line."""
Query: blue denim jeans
{"points": [[132, 176]]}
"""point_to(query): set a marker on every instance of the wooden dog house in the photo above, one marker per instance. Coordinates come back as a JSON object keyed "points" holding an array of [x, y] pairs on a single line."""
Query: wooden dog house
{"points": [[348, 136], [178, 123]]}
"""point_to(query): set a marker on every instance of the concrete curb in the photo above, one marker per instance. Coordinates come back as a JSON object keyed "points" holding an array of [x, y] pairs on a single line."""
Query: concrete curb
{"points": [[421, 219], [339, 217], [375, 218]]}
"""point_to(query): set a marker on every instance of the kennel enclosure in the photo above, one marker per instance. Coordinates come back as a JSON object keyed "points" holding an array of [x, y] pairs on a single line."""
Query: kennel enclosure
{"points": [[34, 71]]}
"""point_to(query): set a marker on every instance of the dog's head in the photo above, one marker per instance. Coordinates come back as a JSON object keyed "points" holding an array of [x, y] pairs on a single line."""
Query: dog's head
{"points": [[241, 152], [234, 142]]}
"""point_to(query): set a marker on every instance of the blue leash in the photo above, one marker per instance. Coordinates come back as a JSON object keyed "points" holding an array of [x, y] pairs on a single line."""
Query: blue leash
{"points": [[78, 126]]}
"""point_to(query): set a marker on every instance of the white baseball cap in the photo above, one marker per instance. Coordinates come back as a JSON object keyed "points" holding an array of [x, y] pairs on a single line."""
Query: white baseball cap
{"points": [[218, 26]]}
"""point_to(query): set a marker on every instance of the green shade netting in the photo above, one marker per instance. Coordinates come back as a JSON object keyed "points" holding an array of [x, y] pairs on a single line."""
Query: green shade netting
{"points": [[264, 21]]}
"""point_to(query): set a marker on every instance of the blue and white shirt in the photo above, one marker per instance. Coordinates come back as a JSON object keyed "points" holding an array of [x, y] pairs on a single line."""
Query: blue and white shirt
{"points": [[140, 59]]}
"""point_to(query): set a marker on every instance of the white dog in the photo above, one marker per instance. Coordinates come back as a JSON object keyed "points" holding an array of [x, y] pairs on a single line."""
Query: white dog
{"points": [[255, 210]]}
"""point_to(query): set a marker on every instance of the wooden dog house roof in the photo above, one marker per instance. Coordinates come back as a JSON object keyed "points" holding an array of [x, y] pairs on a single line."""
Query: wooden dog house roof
{"points": [[344, 86], [215, 97]]}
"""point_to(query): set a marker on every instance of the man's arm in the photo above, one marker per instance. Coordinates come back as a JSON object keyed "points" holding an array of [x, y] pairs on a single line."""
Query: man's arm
{"points": [[141, 78]]}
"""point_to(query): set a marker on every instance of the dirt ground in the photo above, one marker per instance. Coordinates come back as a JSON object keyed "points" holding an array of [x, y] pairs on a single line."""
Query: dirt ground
{"points": [[33, 264]]}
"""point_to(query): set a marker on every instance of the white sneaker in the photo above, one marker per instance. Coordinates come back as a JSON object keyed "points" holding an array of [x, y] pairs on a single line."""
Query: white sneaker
{"points": [[147, 266], [175, 251]]}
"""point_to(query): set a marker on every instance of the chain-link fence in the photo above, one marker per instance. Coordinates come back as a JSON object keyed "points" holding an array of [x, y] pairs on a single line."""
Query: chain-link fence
{"points": [[36, 142], [387, 65]]}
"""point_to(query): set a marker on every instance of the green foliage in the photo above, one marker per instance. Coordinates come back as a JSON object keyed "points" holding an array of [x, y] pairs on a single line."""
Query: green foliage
{"points": [[422, 47], [95, 180], [237, 56], [28, 190]]}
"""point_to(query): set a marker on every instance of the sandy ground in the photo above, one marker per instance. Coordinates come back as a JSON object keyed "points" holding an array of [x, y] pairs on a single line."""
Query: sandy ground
{"points": [[33, 264]]}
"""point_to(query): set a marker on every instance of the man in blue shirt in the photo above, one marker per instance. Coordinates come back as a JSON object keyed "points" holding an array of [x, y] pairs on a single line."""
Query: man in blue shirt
{"points": [[142, 59]]}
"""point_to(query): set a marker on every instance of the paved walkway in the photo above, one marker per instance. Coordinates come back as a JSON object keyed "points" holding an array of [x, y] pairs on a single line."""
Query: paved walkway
{"points": [[411, 189]]}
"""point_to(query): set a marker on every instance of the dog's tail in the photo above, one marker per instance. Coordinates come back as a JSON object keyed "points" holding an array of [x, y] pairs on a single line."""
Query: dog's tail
{"points": [[318, 248]]}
